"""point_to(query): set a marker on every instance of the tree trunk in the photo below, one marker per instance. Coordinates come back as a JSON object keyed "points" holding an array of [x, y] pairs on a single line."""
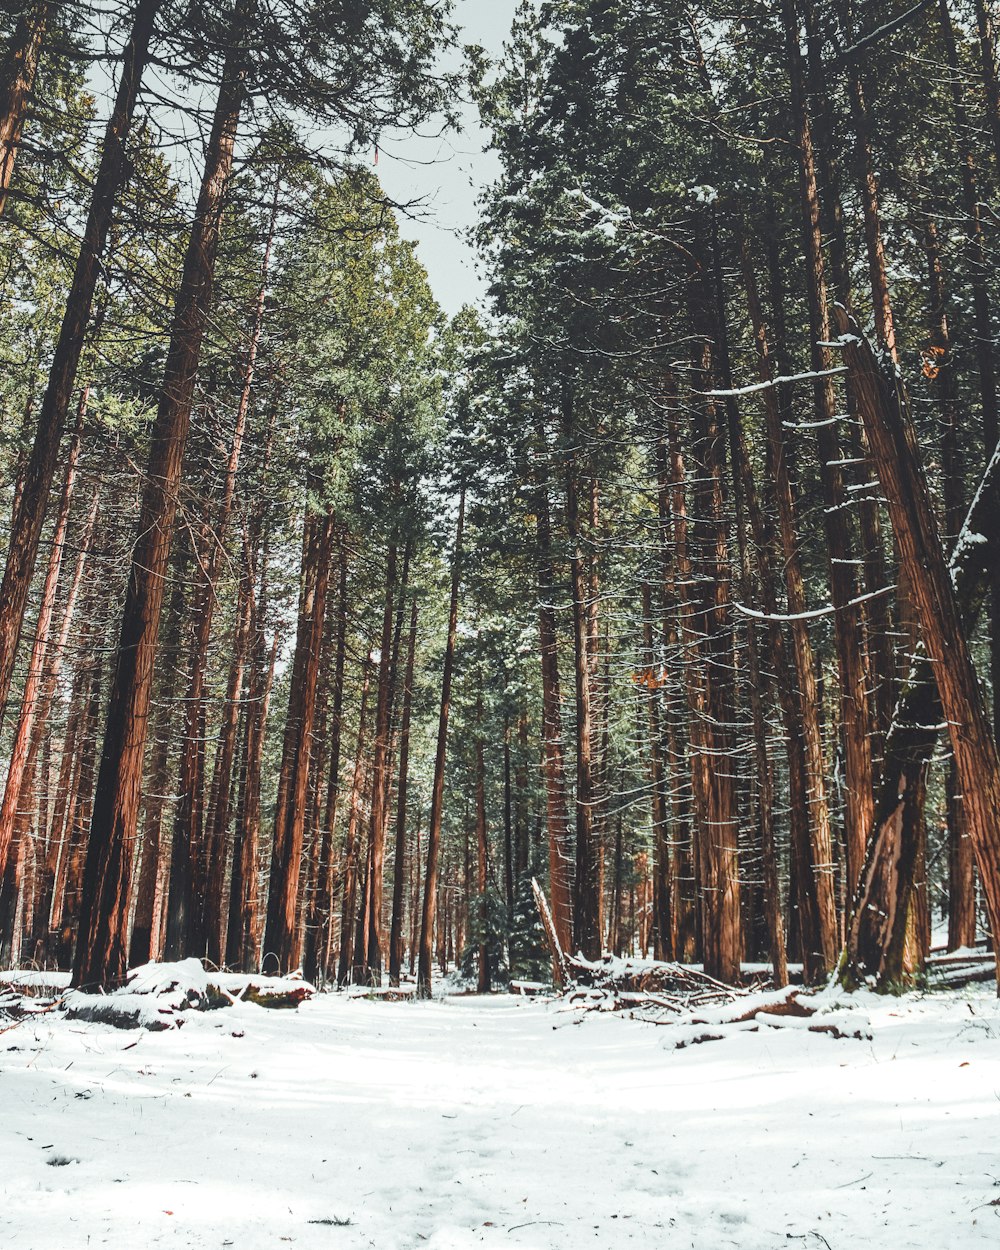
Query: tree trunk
{"points": [[485, 981], [651, 678], [350, 896], [747, 508], [884, 409], [146, 922], [316, 952], [981, 302], [33, 682], [508, 825], [437, 793], [68, 900], [552, 744], [415, 894], [812, 845], [51, 669], [243, 928], [26, 528], [188, 901], [101, 957], [586, 901], [282, 937], [684, 886], [856, 726], [17, 81], [877, 926], [217, 828], [944, 387], [399, 860], [369, 956], [709, 655]]}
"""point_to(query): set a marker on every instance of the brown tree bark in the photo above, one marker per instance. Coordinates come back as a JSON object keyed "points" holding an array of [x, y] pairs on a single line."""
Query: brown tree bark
{"points": [[188, 899], [68, 768], [26, 528], [424, 968], [856, 721], [50, 830], [33, 682], [350, 893], [884, 409], [508, 824], [415, 892], [368, 951], [552, 743], [663, 927], [221, 808], [68, 900], [282, 936], [316, 952], [877, 927], [17, 81], [944, 386], [812, 843], [101, 956], [144, 944], [707, 629], [685, 874], [243, 930], [978, 278], [399, 859], [485, 973], [748, 512], [586, 893]]}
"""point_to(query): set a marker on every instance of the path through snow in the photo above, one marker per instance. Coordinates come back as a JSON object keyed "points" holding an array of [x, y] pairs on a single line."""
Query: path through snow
{"points": [[500, 1123]]}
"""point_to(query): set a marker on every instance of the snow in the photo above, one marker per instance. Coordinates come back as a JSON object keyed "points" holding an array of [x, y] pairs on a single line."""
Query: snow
{"points": [[503, 1121], [754, 387]]}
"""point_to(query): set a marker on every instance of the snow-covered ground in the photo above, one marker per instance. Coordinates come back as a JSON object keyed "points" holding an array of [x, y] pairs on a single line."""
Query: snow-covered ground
{"points": [[466, 1122]]}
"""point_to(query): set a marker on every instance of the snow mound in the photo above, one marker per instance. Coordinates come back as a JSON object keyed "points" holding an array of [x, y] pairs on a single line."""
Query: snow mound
{"points": [[157, 995]]}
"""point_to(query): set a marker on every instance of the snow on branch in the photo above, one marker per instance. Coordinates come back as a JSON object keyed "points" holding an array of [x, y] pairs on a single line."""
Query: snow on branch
{"points": [[828, 610], [881, 32], [766, 386]]}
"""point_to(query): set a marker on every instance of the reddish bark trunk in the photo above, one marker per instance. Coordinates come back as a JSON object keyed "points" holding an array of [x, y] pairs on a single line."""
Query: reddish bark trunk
{"points": [[856, 726], [884, 409], [33, 682], [350, 895], [552, 744], [17, 81], [586, 893], [662, 922], [368, 956], [319, 925], [243, 931], [33, 496], [399, 862], [189, 898], [217, 828], [424, 971], [709, 651], [101, 956], [51, 828], [282, 936], [485, 981]]}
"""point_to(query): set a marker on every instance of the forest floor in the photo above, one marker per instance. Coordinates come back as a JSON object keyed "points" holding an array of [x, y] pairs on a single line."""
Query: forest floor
{"points": [[502, 1122]]}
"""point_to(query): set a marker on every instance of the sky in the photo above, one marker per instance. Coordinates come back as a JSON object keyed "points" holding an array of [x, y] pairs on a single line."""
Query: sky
{"points": [[447, 172]]}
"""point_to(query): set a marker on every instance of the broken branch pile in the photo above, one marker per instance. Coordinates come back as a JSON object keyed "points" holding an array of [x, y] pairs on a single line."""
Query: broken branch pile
{"points": [[699, 1008]]}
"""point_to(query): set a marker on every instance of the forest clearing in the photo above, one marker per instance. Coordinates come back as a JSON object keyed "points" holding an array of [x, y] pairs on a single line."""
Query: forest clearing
{"points": [[487, 1122], [499, 623]]}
